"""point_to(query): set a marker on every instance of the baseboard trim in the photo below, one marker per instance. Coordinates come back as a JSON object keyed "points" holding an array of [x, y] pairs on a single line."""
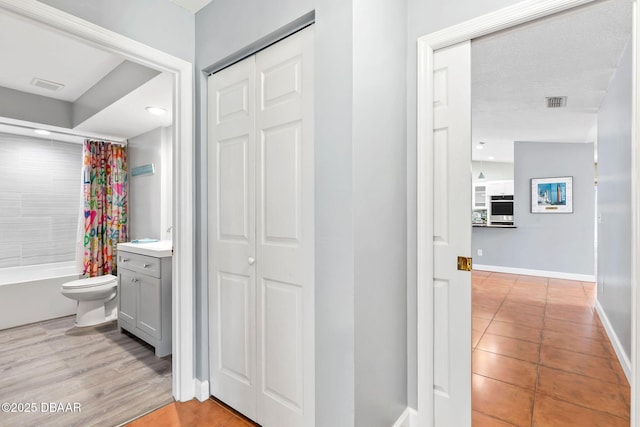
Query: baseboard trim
{"points": [[540, 273], [615, 342], [202, 390], [408, 418]]}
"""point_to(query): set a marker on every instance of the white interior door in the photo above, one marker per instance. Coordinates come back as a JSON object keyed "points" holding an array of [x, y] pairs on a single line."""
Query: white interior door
{"points": [[261, 234], [285, 231], [231, 210], [452, 235]]}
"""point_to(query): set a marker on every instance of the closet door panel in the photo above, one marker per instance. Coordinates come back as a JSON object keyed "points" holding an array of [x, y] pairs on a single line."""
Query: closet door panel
{"points": [[285, 231], [231, 241]]}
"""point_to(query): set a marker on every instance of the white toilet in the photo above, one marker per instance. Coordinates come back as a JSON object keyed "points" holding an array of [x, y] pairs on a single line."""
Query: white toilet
{"points": [[96, 296]]}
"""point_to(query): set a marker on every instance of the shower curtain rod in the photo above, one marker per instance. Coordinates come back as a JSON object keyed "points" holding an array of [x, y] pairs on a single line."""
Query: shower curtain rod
{"points": [[79, 135]]}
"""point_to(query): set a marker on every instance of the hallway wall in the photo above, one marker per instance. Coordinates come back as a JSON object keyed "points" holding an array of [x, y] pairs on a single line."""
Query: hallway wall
{"points": [[360, 152], [614, 202]]}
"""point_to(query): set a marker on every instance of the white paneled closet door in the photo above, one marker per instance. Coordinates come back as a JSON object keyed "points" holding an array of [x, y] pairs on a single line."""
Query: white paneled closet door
{"points": [[261, 234]]}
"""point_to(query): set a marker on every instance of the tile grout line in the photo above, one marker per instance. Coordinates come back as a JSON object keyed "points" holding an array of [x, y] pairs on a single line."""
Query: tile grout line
{"points": [[535, 388]]}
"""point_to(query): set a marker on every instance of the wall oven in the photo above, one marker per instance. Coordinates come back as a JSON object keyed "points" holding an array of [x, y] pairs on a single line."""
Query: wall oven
{"points": [[501, 210]]}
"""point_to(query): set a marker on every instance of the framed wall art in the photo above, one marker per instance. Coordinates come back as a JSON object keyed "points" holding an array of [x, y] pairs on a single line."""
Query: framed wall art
{"points": [[552, 195]]}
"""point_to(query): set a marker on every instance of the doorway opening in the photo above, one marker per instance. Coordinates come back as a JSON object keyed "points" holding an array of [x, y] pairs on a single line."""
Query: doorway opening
{"points": [[427, 202], [180, 75]]}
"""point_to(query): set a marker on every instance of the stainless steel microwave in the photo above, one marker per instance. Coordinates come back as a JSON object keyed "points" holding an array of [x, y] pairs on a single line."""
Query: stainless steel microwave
{"points": [[501, 210]]}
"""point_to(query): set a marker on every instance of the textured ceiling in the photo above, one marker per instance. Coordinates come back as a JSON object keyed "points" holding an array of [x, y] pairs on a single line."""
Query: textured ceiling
{"points": [[572, 54]]}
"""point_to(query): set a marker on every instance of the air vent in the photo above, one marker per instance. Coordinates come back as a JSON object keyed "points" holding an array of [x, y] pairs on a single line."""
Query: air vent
{"points": [[46, 84], [556, 101]]}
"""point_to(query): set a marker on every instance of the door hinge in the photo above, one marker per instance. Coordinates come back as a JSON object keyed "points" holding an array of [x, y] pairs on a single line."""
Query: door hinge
{"points": [[464, 263]]}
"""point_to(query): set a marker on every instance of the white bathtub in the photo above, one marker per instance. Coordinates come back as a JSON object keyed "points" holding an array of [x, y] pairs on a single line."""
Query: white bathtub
{"points": [[32, 293]]}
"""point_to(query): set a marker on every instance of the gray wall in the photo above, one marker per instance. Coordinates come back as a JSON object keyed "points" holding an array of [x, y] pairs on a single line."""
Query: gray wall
{"points": [[360, 194], [547, 242], [614, 202], [34, 108], [424, 17], [157, 23], [379, 203], [122, 80], [145, 191], [40, 183]]}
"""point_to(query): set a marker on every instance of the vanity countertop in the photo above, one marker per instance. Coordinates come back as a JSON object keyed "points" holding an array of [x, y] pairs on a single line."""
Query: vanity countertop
{"points": [[159, 249]]}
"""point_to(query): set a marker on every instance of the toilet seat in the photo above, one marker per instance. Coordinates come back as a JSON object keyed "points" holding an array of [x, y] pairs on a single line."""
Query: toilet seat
{"points": [[90, 282]]}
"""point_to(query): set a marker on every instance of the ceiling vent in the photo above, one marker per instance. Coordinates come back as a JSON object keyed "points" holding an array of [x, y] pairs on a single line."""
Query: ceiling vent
{"points": [[46, 84], [556, 101]]}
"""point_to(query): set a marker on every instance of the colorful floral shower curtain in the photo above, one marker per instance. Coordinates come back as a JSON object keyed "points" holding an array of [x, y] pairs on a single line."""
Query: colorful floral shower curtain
{"points": [[105, 205]]}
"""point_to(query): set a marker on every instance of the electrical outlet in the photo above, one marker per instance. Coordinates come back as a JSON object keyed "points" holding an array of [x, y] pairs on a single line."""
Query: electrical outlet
{"points": [[479, 252]]}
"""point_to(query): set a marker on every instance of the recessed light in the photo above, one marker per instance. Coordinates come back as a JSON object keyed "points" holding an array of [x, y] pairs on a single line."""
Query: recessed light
{"points": [[42, 132], [157, 111], [491, 158], [480, 145]]}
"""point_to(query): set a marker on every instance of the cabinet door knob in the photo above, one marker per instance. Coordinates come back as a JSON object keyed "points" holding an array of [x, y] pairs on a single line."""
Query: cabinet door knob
{"points": [[125, 259], [145, 265], [251, 260], [134, 280]]}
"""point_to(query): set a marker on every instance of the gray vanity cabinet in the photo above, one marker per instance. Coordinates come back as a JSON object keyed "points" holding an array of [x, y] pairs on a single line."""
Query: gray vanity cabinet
{"points": [[144, 298]]}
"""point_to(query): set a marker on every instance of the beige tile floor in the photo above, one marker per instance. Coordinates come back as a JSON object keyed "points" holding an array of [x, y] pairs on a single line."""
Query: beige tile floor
{"points": [[541, 356]]}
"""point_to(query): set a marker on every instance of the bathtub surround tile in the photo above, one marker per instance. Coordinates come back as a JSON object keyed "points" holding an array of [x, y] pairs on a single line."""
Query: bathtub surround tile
{"points": [[47, 252], [25, 229], [40, 183], [9, 254], [9, 205], [114, 376], [578, 379]]}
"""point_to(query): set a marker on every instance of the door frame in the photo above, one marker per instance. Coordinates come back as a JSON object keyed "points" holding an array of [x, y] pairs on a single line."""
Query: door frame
{"points": [[184, 380], [508, 17]]}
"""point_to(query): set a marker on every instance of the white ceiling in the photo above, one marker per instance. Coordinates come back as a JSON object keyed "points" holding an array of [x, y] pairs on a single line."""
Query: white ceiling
{"points": [[573, 54], [31, 50], [192, 5]]}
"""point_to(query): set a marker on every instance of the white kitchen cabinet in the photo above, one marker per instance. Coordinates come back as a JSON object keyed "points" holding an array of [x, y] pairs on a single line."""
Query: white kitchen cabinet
{"points": [[144, 298], [479, 196], [499, 188]]}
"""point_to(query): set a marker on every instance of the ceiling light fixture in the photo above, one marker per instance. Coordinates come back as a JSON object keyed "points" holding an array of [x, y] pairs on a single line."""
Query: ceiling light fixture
{"points": [[156, 111], [42, 132], [491, 158]]}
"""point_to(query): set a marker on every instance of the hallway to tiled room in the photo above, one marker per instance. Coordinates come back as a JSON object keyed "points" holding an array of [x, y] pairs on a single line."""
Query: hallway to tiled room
{"points": [[541, 356]]}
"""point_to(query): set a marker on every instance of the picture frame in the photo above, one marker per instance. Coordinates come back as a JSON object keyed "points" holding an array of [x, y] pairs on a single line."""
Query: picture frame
{"points": [[552, 195]]}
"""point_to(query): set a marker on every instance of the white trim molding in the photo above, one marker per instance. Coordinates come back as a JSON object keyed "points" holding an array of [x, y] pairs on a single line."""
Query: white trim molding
{"points": [[508, 17], [202, 390], [406, 419], [635, 218], [623, 358], [183, 167], [539, 273]]}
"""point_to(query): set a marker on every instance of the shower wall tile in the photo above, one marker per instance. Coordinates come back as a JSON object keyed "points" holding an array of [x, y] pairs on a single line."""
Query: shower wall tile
{"points": [[51, 205], [47, 252], [40, 183], [9, 254], [18, 180], [9, 205], [23, 230]]}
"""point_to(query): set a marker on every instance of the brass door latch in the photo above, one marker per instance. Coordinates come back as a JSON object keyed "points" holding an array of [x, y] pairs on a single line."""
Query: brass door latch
{"points": [[464, 263]]}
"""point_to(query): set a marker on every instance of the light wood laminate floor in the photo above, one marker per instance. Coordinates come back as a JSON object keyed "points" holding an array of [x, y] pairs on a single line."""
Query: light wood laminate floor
{"points": [[113, 376]]}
